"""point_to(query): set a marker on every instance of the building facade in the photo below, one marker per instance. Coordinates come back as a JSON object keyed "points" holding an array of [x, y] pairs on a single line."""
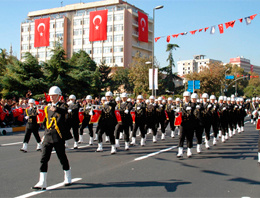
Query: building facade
{"points": [[244, 63], [69, 26], [194, 65]]}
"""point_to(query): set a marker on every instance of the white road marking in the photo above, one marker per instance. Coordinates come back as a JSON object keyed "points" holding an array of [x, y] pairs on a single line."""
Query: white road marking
{"points": [[155, 153], [9, 144], [47, 189], [73, 148]]}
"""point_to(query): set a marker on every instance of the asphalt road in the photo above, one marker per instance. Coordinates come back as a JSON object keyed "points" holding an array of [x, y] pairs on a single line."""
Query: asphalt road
{"points": [[227, 170]]}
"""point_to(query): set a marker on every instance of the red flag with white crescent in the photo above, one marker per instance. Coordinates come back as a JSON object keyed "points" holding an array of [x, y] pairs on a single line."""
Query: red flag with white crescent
{"points": [[98, 25], [221, 28], [95, 117], [258, 124], [143, 27], [133, 116], [178, 119], [40, 116], [41, 32], [15, 112], [118, 116]]}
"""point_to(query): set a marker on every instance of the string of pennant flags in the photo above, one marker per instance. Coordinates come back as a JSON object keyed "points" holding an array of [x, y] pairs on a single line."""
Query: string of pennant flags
{"points": [[231, 24]]}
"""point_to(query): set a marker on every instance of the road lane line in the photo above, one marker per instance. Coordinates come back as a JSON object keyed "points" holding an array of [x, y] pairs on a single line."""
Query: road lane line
{"points": [[155, 153], [47, 189], [9, 144]]}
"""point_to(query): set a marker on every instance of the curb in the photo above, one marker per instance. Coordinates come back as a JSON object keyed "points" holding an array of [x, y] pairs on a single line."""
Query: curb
{"points": [[3, 131]]}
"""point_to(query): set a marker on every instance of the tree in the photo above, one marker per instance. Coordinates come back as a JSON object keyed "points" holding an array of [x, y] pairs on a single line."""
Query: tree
{"points": [[168, 81], [138, 74], [121, 80], [105, 77], [253, 88], [57, 71], [82, 73]]}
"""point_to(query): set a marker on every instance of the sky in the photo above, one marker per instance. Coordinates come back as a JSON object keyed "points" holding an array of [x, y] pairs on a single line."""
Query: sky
{"points": [[177, 16]]}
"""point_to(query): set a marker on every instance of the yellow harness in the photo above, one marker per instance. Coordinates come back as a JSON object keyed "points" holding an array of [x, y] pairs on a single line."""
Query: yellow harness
{"points": [[53, 119]]}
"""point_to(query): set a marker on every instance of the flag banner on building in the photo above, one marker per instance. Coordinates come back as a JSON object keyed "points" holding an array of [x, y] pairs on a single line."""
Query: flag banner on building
{"points": [[153, 78], [142, 27], [248, 21], [41, 32], [98, 25]]}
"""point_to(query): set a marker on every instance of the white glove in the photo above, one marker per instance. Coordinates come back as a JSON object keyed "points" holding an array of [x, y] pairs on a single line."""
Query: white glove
{"points": [[161, 105], [26, 117], [138, 108], [49, 104], [235, 106], [188, 108], [224, 108], [209, 105], [154, 104], [172, 107], [106, 102], [91, 113], [240, 107], [246, 110], [177, 110], [69, 111], [126, 111], [197, 107]]}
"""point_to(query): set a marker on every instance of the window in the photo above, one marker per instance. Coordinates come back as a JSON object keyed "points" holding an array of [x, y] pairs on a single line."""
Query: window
{"points": [[86, 31], [59, 24], [118, 49], [77, 22], [52, 34], [32, 46], [183, 63], [109, 39], [52, 25], [88, 50], [86, 21], [25, 38], [31, 37], [118, 17], [188, 63], [97, 50], [118, 38], [108, 60], [25, 28], [188, 68], [109, 28], [86, 41], [97, 60], [109, 17], [77, 42], [25, 47], [49, 54], [77, 32], [118, 27], [59, 34], [107, 49], [32, 28], [118, 59], [41, 54]]}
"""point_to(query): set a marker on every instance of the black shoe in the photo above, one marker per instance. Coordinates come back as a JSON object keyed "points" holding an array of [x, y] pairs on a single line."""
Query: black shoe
{"points": [[67, 184], [38, 188], [23, 150], [39, 150], [75, 147]]}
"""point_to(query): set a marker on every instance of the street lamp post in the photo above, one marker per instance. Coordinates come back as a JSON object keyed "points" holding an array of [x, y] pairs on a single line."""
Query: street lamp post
{"points": [[156, 8]]}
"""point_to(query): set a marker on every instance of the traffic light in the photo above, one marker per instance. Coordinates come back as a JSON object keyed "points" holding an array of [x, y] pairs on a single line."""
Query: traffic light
{"points": [[248, 77]]}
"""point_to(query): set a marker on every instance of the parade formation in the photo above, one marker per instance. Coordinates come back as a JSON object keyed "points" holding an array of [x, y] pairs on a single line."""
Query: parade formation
{"points": [[121, 118]]}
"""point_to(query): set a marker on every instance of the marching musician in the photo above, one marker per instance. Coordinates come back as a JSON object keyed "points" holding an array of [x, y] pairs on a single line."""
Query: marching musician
{"points": [[161, 117], [186, 128], [88, 112], [151, 118], [170, 109], [56, 133], [31, 127]]}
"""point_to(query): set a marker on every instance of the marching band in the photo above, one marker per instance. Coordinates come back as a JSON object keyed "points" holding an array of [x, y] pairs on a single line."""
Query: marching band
{"points": [[190, 117]]}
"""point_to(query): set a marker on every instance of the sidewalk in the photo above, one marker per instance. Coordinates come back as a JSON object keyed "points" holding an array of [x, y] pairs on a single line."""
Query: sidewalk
{"points": [[4, 131]]}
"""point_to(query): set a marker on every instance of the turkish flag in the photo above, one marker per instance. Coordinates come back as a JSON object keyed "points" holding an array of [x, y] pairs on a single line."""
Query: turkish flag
{"points": [[230, 24], [95, 117], [175, 35], [47, 97], [15, 112], [168, 39], [40, 116], [118, 116], [41, 32], [193, 32], [133, 116], [166, 114], [178, 119], [157, 38], [143, 27], [98, 25], [221, 28], [81, 116], [2, 116]]}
